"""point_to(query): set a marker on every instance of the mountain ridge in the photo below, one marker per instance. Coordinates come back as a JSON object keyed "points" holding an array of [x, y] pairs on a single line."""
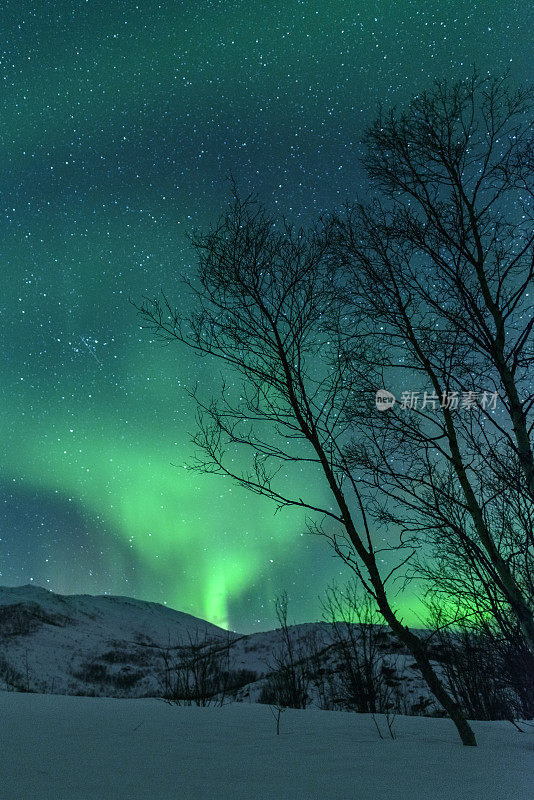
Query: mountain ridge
{"points": [[117, 646]]}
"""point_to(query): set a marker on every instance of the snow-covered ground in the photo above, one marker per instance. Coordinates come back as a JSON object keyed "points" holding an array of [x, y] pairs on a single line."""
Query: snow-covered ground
{"points": [[54, 744], [79, 748]]}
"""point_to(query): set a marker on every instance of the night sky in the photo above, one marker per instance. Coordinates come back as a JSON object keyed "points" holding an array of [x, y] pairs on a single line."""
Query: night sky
{"points": [[119, 125]]}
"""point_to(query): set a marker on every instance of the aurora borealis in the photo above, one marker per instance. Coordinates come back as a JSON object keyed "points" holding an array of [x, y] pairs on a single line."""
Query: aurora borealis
{"points": [[120, 124]]}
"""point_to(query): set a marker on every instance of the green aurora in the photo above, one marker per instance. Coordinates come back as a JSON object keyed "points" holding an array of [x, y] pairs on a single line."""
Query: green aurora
{"points": [[119, 125]]}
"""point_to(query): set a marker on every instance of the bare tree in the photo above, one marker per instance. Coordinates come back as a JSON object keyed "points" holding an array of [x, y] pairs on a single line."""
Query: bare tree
{"points": [[287, 685], [264, 308], [198, 671], [357, 635], [435, 280], [480, 668], [486, 660]]}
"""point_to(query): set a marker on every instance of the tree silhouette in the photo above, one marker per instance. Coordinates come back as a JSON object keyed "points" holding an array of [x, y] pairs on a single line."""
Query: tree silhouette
{"points": [[265, 306]]}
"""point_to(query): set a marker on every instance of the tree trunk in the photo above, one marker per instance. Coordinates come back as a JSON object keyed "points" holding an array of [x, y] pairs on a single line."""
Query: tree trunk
{"points": [[413, 643]]}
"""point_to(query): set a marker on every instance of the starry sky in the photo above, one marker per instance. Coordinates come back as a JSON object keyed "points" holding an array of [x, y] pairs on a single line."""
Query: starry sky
{"points": [[120, 123]]}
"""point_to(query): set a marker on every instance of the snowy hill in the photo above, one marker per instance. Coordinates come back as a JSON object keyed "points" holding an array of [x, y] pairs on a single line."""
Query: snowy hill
{"points": [[120, 647], [80, 644]]}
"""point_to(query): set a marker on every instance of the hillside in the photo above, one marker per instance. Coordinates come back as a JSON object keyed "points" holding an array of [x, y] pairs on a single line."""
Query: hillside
{"points": [[80, 644], [120, 647]]}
